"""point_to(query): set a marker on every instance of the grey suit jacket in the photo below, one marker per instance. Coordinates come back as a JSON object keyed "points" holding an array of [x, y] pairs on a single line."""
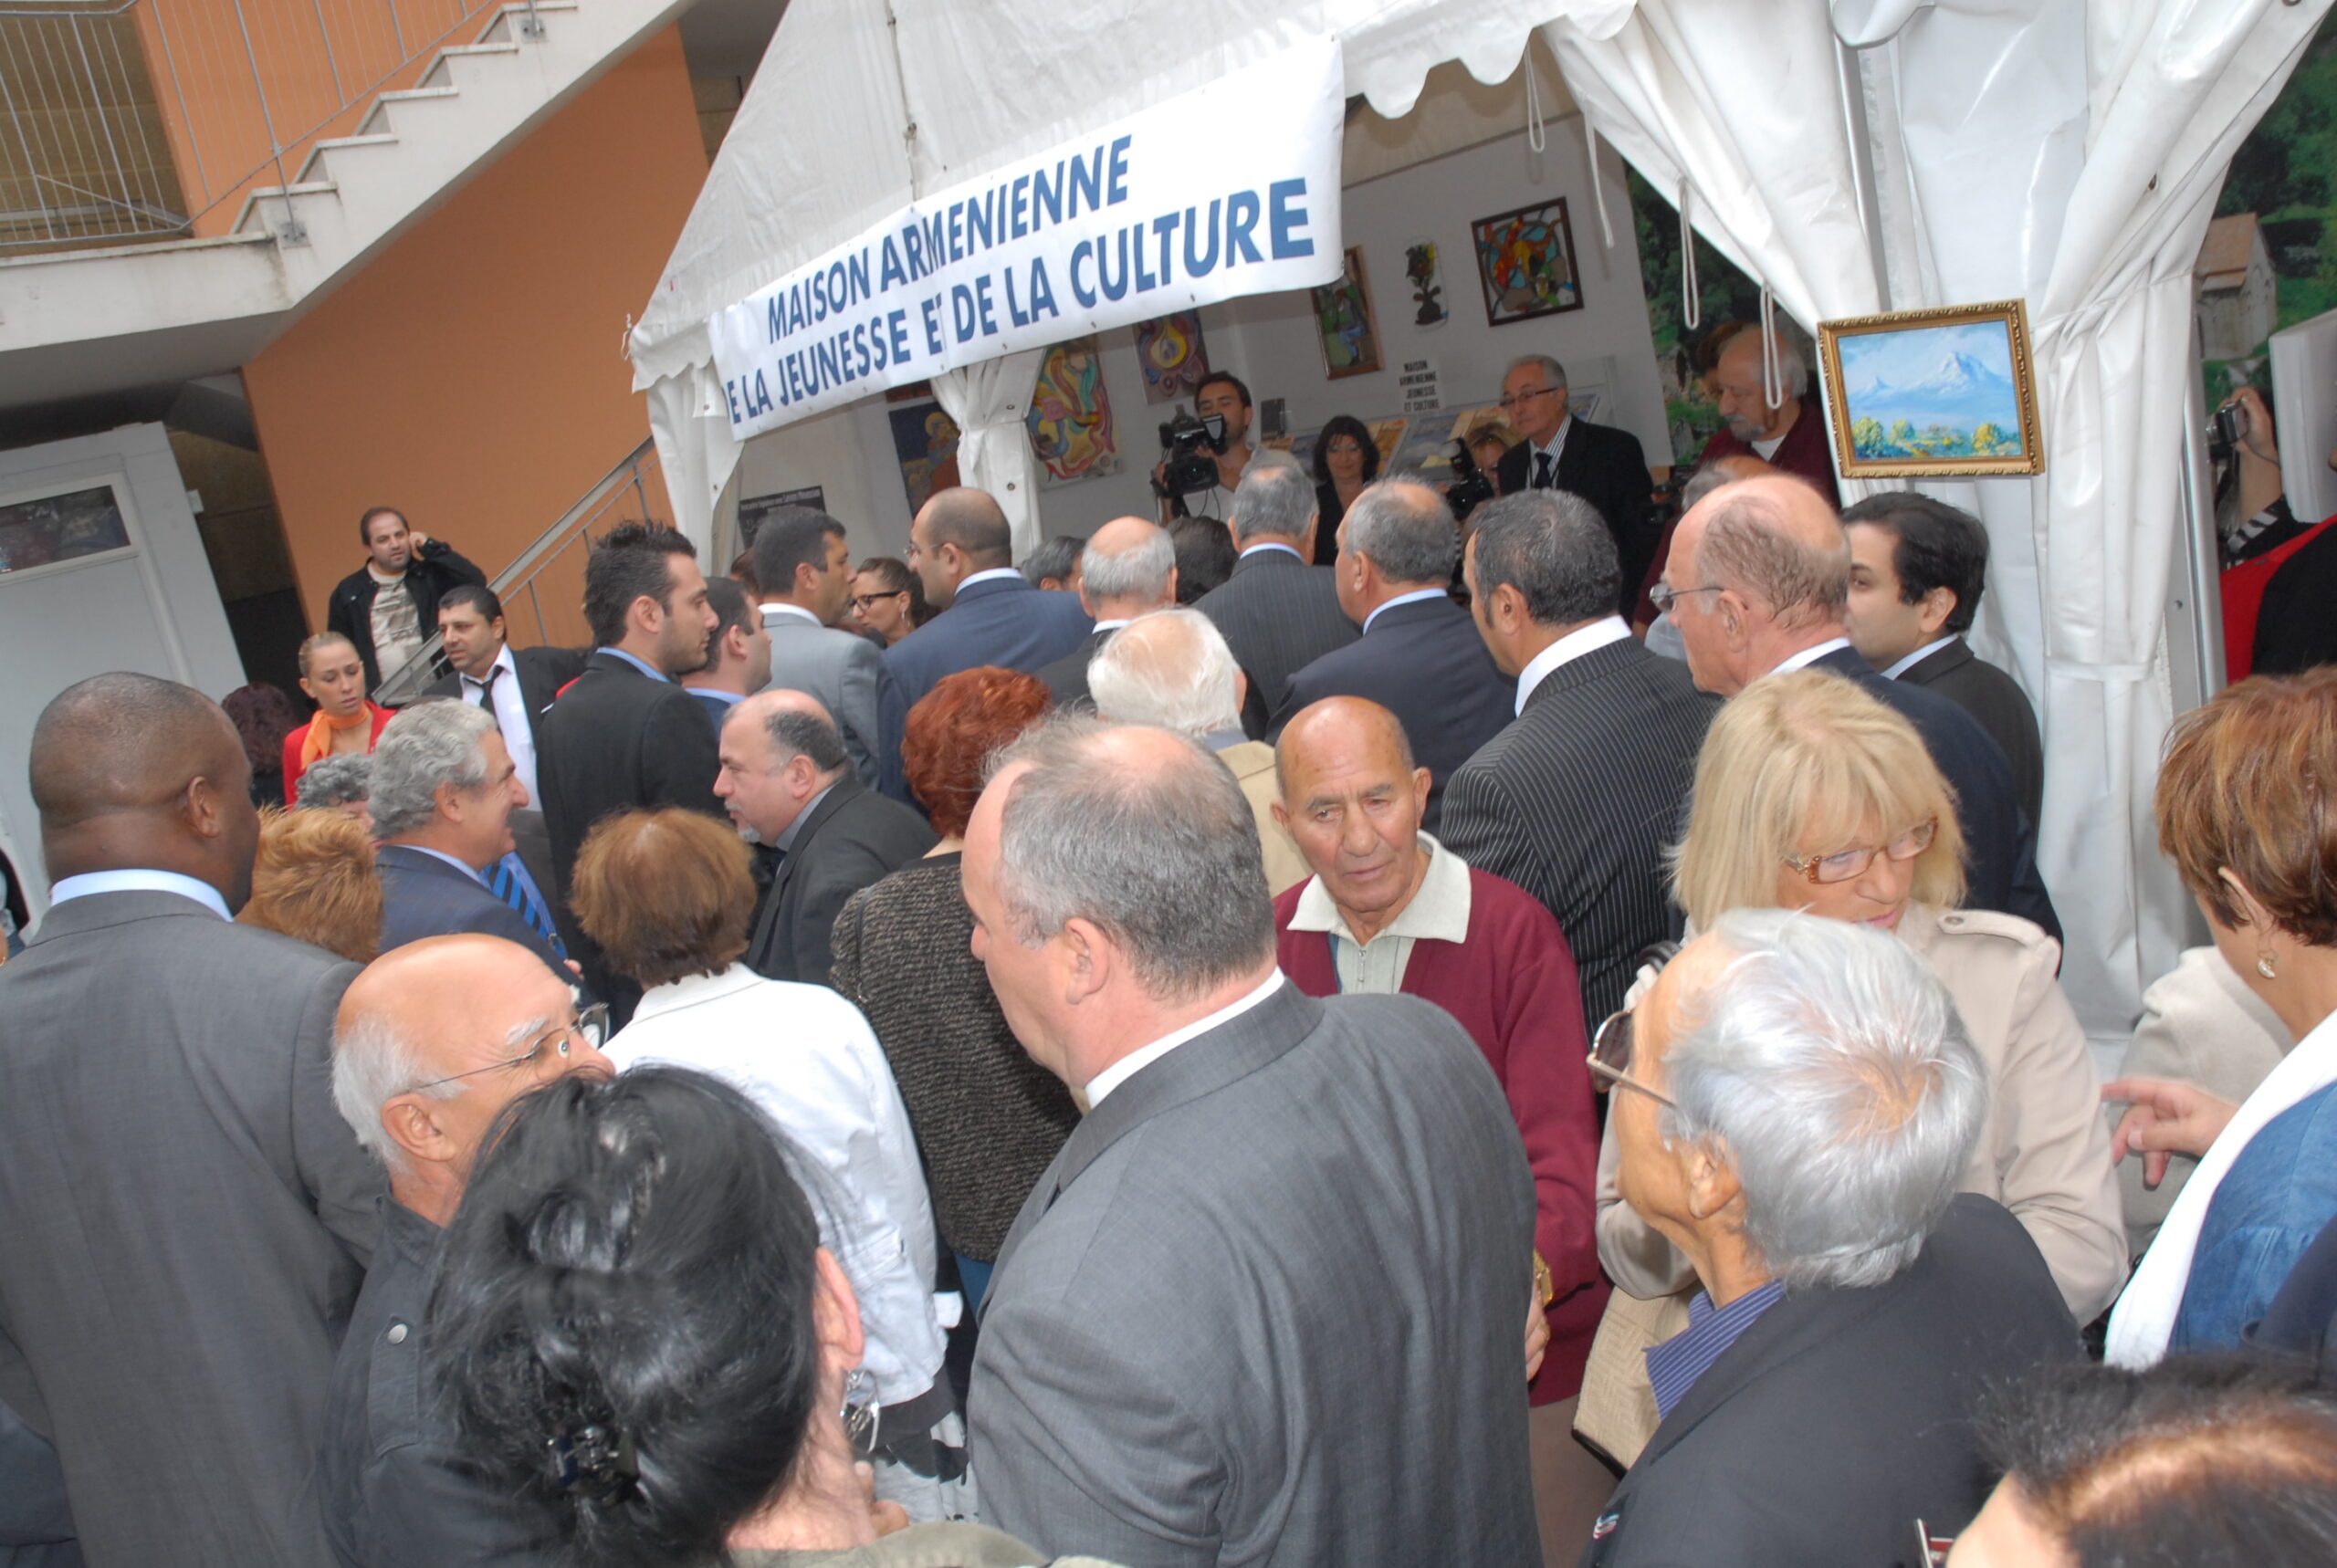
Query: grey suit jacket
{"points": [[185, 1219], [1263, 1307], [1279, 615], [838, 668]]}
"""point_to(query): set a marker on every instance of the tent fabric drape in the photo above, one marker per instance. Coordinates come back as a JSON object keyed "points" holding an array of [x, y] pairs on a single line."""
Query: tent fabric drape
{"points": [[989, 402]]}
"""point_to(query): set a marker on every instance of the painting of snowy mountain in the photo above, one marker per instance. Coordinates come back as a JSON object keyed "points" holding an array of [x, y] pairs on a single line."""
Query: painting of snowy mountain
{"points": [[1943, 390]]}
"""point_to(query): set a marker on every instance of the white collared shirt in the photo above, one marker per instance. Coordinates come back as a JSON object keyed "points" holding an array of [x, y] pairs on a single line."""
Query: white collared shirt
{"points": [[1809, 657], [1920, 655], [986, 575], [1556, 449], [809, 1059], [782, 608], [1414, 597], [1439, 911], [1136, 1061], [511, 717], [471, 871], [1109, 625], [1270, 544], [139, 880], [1573, 645]]}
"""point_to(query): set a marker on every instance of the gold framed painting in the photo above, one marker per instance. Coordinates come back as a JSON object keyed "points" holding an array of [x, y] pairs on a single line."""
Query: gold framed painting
{"points": [[1931, 394]]}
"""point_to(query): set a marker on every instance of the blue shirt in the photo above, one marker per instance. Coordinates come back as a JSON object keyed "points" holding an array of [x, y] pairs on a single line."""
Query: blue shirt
{"points": [[140, 880], [2267, 1208], [1675, 1365], [641, 664]]}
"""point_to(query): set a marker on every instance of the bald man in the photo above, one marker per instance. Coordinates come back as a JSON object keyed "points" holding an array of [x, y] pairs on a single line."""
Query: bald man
{"points": [[433, 1040], [1127, 569], [184, 1220], [1758, 580], [962, 549], [787, 781], [1789, 434], [1389, 909]]}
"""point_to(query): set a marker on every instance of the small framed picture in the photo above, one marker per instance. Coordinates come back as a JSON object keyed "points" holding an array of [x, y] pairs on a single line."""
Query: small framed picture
{"points": [[1920, 394], [1342, 314], [1525, 261]]}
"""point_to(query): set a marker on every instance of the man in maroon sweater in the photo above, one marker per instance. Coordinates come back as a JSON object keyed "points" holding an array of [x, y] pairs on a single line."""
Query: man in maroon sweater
{"points": [[1389, 909]]}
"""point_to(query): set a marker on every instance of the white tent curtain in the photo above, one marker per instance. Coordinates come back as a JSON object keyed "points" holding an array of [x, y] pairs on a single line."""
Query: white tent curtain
{"points": [[989, 402]]}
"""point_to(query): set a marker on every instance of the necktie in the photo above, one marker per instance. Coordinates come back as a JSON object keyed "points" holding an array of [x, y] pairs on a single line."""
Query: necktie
{"points": [[1545, 476], [487, 700], [503, 880]]}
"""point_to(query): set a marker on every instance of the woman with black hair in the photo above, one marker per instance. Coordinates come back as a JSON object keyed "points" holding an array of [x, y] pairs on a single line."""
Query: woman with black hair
{"points": [[1345, 460], [635, 1324]]}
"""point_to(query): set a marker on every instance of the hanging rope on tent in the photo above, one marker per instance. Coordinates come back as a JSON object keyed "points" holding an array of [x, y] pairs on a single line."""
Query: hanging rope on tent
{"points": [[1598, 186], [1773, 364], [624, 344], [1535, 136], [1691, 309]]}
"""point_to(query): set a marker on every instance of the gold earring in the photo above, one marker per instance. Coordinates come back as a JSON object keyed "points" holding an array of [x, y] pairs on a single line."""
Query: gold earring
{"points": [[2264, 967]]}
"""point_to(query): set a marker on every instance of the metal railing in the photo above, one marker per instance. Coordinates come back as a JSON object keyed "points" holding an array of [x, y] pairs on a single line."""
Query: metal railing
{"points": [[153, 119], [543, 589]]}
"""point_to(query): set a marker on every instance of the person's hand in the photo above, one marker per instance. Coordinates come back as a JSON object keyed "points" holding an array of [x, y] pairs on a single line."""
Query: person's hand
{"points": [[1538, 1338], [2165, 1116], [415, 540], [2256, 425]]}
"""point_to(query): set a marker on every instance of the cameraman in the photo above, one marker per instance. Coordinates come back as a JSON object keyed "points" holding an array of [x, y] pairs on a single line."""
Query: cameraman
{"points": [[1222, 395]]}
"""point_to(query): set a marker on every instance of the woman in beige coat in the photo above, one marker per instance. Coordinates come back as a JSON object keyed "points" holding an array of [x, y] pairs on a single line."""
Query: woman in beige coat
{"points": [[1811, 794]]}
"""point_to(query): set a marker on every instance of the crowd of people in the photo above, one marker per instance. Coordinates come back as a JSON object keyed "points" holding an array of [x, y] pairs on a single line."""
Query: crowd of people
{"points": [[1366, 1060]]}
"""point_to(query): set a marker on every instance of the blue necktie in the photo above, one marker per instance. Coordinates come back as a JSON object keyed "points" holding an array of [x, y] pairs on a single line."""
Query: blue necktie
{"points": [[504, 881]]}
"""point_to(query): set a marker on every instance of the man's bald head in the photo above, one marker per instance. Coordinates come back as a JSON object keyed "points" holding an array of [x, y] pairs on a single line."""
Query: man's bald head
{"points": [[1777, 543], [130, 771], [1129, 566], [1353, 727], [971, 520]]}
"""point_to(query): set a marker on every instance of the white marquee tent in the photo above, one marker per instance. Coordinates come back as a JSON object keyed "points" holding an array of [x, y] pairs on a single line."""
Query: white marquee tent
{"points": [[1857, 156]]}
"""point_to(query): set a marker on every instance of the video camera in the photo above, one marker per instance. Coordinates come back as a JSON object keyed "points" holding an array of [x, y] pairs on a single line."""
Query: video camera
{"points": [[1189, 449], [1469, 487]]}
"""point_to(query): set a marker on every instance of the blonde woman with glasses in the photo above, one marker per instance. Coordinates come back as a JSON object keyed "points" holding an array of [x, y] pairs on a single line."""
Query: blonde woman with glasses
{"points": [[1810, 794]]}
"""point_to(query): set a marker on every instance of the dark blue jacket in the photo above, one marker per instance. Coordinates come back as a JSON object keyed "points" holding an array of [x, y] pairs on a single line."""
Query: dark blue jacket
{"points": [[422, 895], [1003, 621]]}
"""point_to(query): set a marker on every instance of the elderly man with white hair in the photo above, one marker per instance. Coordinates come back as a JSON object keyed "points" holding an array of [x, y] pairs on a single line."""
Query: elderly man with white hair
{"points": [[1126, 569], [1173, 669], [1790, 433], [1796, 1102]]}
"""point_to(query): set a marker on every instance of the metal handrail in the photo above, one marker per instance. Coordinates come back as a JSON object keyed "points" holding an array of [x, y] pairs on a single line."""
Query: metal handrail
{"points": [[622, 495]]}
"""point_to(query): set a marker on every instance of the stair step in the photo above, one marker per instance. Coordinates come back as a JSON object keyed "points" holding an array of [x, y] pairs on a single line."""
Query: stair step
{"points": [[276, 194], [379, 115], [440, 74], [310, 170]]}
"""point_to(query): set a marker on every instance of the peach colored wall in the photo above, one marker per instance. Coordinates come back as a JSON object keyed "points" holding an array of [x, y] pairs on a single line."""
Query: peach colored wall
{"points": [[470, 374]]}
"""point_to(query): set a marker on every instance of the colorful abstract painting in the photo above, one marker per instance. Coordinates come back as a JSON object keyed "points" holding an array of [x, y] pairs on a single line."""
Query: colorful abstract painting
{"points": [[1071, 415], [1173, 355], [1525, 261], [1342, 313], [926, 440]]}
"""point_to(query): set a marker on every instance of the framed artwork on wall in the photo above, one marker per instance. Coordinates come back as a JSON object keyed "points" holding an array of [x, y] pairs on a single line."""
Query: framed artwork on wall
{"points": [[1343, 315], [924, 439], [1932, 393], [1173, 355], [1071, 415], [1525, 262]]}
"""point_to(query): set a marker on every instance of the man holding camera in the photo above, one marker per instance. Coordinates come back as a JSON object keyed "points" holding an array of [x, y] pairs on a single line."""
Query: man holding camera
{"points": [[1222, 397], [1602, 464]]}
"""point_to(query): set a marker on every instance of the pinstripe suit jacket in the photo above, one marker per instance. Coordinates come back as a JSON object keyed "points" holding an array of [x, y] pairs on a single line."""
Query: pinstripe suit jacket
{"points": [[1575, 800], [1279, 615]]}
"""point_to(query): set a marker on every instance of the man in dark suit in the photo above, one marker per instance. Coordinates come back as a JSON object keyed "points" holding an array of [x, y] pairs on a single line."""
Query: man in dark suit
{"points": [[1918, 567], [1177, 1363], [1127, 569], [1420, 657], [963, 552], [738, 655], [626, 734], [388, 607], [787, 782], [1602, 464], [1795, 1100], [515, 684], [1758, 581], [443, 794], [185, 1218], [1579, 798], [1278, 613]]}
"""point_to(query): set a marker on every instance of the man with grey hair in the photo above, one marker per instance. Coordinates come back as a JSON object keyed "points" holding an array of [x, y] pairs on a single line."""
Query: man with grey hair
{"points": [[788, 782], [431, 1043], [1558, 451], [1179, 1363], [1279, 612], [338, 784], [1576, 800], [1127, 569], [1757, 581], [1420, 655], [1789, 434], [1796, 1102], [442, 791], [1172, 669]]}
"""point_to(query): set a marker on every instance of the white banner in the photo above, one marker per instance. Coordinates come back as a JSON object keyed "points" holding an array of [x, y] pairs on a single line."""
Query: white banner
{"points": [[1231, 190]]}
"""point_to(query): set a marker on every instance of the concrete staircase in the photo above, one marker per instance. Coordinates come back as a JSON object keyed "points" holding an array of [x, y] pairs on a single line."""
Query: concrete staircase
{"points": [[82, 321]]}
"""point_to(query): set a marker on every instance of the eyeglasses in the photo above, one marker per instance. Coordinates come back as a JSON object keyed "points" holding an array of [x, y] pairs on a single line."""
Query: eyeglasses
{"points": [[591, 1025], [1845, 865], [863, 600], [1610, 1048], [1664, 597], [1513, 400]]}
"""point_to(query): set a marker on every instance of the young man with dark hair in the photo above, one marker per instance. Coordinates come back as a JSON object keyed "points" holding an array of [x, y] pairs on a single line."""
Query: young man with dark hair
{"points": [[738, 655], [626, 735], [1221, 395], [515, 684], [804, 563], [1918, 567], [388, 607]]}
